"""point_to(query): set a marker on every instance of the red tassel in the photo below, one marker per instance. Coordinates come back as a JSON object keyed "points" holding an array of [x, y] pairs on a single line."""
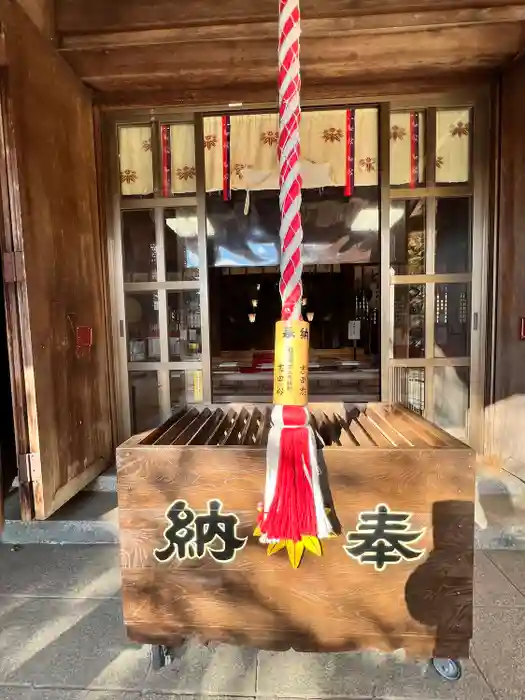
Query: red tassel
{"points": [[292, 511]]}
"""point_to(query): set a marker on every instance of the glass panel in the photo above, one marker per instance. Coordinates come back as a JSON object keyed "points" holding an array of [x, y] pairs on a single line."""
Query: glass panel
{"points": [[452, 322], [139, 246], [144, 401], [337, 230], [142, 318], [409, 321], [184, 319], [407, 149], [408, 387], [178, 176], [185, 387], [407, 229], [453, 235], [135, 161], [451, 398], [181, 244], [452, 145]]}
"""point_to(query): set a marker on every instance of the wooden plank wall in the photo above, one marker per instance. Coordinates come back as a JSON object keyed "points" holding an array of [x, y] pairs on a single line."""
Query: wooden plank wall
{"points": [[51, 127], [507, 437], [93, 16], [158, 52]]}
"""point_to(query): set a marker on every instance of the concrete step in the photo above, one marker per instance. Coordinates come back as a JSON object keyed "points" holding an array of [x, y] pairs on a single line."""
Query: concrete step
{"points": [[105, 482], [89, 518]]}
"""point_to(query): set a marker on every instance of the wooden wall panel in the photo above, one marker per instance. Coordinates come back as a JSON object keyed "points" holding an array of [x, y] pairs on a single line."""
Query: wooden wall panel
{"points": [[312, 94], [42, 14], [92, 16], [51, 135], [226, 62], [508, 411]]}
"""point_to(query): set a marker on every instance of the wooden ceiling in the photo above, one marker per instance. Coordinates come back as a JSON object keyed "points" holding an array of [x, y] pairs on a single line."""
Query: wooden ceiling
{"points": [[150, 48]]}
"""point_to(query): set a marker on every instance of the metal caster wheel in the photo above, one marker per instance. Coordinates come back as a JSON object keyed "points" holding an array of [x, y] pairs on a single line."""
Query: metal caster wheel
{"points": [[160, 656], [448, 669]]}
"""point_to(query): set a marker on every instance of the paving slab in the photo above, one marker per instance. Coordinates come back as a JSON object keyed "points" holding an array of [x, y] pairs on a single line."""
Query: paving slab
{"points": [[163, 696], [214, 670], [512, 564], [498, 650], [296, 674], [419, 680], [61, 630], [491, 586], [29, 693], [68, 642], [78, 571], [16, 693], [59, 694]]}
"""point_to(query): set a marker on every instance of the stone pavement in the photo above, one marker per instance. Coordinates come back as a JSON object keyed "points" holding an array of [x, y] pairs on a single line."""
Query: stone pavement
{"points": [[61, 638]]}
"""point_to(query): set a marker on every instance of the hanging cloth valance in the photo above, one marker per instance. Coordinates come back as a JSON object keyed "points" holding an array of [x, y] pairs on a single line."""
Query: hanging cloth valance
{"points": [[339, 148]]}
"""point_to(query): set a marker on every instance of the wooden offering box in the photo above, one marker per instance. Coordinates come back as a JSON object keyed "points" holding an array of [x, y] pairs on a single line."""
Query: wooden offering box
{"points": [[399, 575]]}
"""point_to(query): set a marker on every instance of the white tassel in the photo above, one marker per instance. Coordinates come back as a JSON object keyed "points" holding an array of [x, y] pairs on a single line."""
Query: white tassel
{"points": [[324, 528]]}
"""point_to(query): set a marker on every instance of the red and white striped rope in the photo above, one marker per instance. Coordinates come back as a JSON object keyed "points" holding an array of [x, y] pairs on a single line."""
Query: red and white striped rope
{"points": [[291, 232]]}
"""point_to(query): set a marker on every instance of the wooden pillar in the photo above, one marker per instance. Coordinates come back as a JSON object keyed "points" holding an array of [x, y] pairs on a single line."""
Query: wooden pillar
{"points": [[508, 411], [42, 14]]}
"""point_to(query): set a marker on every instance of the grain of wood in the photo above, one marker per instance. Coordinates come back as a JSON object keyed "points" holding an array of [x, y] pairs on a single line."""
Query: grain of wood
{"points": [[63, 392], [423, 604]]}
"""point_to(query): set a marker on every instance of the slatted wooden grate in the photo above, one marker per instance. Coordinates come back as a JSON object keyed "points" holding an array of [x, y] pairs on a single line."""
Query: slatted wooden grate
{"points": [[335, 424]]}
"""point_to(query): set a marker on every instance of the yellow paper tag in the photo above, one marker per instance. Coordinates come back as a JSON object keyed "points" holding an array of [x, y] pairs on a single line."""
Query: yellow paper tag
{"points": [[290, 378], [197, 386]]}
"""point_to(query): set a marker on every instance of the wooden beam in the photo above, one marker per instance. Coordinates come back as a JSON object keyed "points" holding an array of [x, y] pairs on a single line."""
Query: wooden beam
{"points": [[94, 16], [312, 28], [340, 93], [333, 27], [228, 62]]}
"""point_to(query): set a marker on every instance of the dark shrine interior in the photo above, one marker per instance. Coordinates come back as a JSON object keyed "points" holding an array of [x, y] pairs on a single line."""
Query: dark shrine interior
{"points": [[340, 278]]}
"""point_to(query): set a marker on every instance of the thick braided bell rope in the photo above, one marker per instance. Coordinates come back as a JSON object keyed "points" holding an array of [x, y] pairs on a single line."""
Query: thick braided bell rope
{"points": [[291, 232]]}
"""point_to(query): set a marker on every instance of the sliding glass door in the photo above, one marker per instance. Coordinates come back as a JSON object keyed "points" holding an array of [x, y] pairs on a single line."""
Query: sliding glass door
{"points": [[433, 266], [160, 281]]}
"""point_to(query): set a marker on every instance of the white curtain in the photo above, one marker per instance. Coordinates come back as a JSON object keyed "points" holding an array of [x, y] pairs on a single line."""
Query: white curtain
{"points": [[135, 160], [252, 151], [452, 145], [254, 159], [401, 135], [366, 148], [182, 144]]}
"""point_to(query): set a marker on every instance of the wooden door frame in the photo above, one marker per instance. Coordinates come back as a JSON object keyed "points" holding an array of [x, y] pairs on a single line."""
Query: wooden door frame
{"points": [[16, 306], [22, 376]]}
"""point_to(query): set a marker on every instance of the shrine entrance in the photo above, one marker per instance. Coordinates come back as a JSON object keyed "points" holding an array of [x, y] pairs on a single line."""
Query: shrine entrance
{"points": [[394, 224]]}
